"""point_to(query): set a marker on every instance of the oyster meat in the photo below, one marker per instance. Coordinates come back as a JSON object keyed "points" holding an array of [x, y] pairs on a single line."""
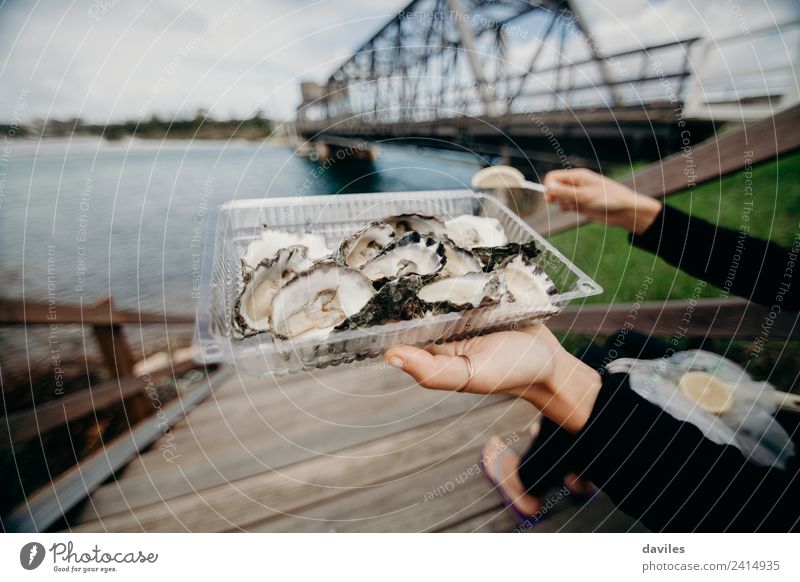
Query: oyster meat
{"points": [[470, 231], [490, 257], [526, 282], [458, 261], [460, 293], [412, 254], [424, 224], [358, 249], [252, 309], [271, 241], [312, 304], [396, 300]]}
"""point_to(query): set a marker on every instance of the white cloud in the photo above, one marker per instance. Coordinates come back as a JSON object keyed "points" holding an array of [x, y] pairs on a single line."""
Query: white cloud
{"points": [[173, 57]]}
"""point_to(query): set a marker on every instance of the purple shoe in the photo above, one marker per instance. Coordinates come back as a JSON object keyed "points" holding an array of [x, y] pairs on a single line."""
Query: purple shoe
{"points": [[524, 521]]}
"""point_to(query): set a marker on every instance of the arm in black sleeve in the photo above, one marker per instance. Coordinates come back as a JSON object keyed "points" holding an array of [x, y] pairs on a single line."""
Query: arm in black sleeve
{"points": [[758, 270], [664, 472]]}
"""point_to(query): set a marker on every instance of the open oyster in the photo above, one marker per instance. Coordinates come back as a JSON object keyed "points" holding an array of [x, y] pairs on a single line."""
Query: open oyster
{"points": [[396, 300], [412, 254], [490, 257], [424, 224], [526, 282], [271, 241], [470, 231], [458, 261], [252, 309], [316, 301], [360, 248], [460, 293]]}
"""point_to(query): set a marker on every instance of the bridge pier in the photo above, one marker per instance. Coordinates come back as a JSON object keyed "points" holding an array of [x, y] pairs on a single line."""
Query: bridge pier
{"points": [[338, 150]]}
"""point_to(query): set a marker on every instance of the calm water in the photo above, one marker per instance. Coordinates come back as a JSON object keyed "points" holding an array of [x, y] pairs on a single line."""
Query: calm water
{"points": [[82, 219]]}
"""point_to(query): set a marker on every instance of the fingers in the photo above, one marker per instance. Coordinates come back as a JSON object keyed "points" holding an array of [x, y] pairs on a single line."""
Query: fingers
{"points": [[577, 176], [568, 186], [438, 371]]}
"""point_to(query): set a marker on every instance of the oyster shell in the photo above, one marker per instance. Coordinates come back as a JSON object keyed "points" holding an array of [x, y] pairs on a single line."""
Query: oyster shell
{"points": [[360, 248], [396, 300], [425, 224], [490, 257], [461, 293], [271, 241], [458, 261], [253, 307], [470, 231], [526, 282], [312, 304], [412, 254]]}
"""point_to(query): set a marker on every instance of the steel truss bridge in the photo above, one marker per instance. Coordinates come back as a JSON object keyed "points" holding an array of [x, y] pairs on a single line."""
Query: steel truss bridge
{"points": [[515, 79]]}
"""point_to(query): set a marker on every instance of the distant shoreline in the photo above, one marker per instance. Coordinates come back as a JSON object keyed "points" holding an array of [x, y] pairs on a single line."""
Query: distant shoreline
{"points": [[201, 127]]}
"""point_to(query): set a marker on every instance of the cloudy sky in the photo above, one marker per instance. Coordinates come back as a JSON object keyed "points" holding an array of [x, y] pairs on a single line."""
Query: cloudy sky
{"points": [[119, 59]]}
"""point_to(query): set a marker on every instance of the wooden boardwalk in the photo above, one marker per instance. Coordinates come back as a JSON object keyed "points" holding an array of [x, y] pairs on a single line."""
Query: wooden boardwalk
{"points": [[344, 449]]}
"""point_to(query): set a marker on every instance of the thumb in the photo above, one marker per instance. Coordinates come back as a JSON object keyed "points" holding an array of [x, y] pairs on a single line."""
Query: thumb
{"points": [[440, 372]]}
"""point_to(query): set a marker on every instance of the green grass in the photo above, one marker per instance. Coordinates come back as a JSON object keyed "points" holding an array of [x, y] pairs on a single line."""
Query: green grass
{"points": [[604, 253]]}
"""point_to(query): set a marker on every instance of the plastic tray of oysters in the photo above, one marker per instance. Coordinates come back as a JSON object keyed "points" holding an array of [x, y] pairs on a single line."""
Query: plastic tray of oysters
{"points": [[298, 283]]}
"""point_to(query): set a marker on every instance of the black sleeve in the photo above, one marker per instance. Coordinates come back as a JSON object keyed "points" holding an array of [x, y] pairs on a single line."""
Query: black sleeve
{"points": [[664, 472], [739, 264]]}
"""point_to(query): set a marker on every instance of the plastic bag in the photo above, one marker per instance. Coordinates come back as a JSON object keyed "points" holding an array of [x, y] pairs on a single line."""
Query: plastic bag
{"points": [[748, 425]]}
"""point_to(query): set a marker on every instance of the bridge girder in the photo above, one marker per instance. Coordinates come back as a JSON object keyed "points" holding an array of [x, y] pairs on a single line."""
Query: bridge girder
{"points": [[438, 58]]}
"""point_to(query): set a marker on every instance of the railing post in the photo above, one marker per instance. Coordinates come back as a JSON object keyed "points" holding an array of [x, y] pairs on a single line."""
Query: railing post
{"points": [[111, 340], [119, 360]]}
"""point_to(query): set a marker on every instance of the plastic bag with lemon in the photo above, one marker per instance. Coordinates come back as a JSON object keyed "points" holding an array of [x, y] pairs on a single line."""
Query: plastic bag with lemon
{"points": [[718, 397]]}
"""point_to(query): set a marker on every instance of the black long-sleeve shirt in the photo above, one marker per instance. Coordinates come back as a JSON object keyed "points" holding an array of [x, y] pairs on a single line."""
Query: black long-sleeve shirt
{"points": [[663, 470], [758, 270]]}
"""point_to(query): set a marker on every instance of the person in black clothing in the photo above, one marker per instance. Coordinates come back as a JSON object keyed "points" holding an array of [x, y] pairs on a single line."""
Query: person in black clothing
{"points": [[596, 428]]}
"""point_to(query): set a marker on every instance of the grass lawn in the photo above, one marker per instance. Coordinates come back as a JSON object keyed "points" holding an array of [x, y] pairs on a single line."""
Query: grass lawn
{"points": [[604, 253]]}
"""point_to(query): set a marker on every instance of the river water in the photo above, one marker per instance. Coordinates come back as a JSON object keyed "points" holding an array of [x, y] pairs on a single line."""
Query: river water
{"points": [[81, 218]]}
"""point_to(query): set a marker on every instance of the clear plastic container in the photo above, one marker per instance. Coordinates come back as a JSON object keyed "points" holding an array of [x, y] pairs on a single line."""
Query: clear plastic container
{"points": [[238, 222]]}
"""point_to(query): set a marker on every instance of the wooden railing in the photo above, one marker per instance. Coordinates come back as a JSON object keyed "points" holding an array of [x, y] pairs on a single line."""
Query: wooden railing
{"points": [[712, 318], [47, 505]]}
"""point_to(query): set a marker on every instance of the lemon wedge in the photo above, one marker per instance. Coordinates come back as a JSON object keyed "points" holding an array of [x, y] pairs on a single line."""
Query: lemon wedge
{"points": [[707, 392]]}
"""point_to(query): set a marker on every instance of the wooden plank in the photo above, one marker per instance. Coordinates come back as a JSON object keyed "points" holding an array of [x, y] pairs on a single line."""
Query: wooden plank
{"points": [[764, 140], [27, 424], [244, 386], [385, 397], [377, 401], [16, 312], [241, 393], [447, 493], [237, 505], [149, 479], [728, 318], [48, 505]]}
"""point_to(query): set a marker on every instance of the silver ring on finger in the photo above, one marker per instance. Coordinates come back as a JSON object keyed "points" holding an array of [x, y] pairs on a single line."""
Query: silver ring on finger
{"points": [[470, 373]]}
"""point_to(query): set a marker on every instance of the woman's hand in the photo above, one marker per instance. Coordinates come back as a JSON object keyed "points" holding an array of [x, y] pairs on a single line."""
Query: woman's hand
{"points": [[601, 199], [529, 363]]}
